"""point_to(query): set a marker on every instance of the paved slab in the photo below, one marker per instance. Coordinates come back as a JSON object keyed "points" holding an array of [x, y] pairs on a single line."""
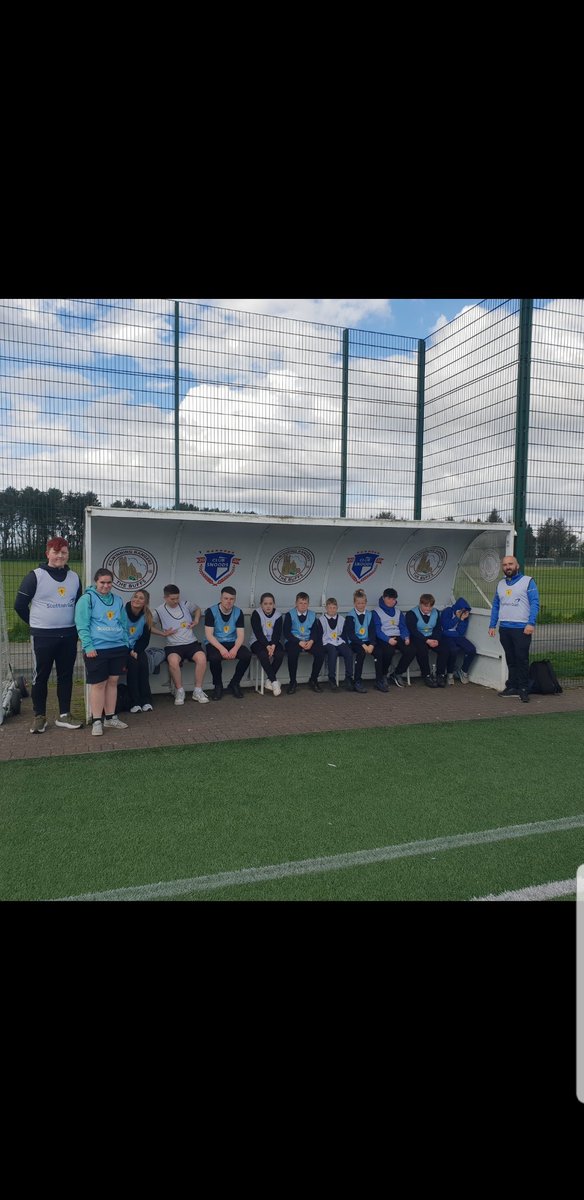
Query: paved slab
{"points": [[271, 716]]}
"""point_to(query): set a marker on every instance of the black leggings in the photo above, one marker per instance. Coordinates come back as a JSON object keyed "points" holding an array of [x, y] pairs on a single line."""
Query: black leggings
{"points": [[138, 680]]}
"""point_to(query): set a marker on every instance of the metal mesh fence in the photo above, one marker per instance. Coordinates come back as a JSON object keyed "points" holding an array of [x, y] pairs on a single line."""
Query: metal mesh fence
{"points": [[469, 418], [260, 418], [382, 391], [158, 403]]}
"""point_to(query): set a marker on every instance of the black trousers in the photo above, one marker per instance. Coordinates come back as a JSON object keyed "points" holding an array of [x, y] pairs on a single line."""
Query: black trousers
{"points": [[516, 645], [61, 653], [216, 662], [384, 653], [418, 649], [271, 665], [332, 654], [294, 650], [138, 681], [360, 657]]}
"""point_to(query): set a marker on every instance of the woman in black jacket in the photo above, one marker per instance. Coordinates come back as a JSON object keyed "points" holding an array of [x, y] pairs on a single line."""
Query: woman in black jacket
{"points": [[140, 621]]}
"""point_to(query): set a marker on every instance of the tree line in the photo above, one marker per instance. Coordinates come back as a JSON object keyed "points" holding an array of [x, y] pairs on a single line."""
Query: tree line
{"points": [[29, 516]]}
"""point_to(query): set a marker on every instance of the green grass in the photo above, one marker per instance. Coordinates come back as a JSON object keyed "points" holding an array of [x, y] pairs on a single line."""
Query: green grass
{"points": [[561, 590], [176, 813], [568, 664], [13, 574]]}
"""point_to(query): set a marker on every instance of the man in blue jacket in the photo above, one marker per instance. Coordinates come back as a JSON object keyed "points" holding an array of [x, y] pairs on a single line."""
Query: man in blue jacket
{"points": [[455, 620], [515, 607]]}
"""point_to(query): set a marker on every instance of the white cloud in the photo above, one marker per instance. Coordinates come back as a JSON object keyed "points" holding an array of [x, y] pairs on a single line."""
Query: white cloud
{"points": [[260, 409]]}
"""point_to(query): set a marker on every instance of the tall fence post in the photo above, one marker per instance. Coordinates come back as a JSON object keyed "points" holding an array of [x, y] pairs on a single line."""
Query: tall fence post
{"points": [[345, 422], [176, 406], [420, 432], [522, 427]]}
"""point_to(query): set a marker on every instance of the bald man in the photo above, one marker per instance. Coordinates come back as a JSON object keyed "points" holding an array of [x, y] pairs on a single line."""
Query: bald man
{"points": [[515, 607]]}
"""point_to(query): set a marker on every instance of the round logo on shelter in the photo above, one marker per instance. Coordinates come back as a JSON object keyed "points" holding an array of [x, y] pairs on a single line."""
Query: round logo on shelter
{"points": [[132, 568], [426, 564], [489, 565], [291, 565]]}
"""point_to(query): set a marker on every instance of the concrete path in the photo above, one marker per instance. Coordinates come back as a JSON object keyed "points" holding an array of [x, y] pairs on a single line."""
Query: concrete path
{"points": [[269, 716]]}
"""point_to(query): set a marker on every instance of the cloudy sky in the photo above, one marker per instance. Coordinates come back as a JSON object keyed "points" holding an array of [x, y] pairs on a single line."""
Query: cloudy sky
{"points": [[406, 318], [87, 403]]}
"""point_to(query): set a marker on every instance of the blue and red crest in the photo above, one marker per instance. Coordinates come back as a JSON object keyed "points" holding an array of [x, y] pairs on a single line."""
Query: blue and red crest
{"points": [[217, 565], [363, 565]]}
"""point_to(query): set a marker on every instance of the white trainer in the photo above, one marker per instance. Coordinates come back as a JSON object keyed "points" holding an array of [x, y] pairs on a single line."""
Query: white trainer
{"points": [[277, 690], [146, 708], [136, 708], [179, 696], [97, 729], [114, 723], [450, 680], [199, 695], [268, 686]]}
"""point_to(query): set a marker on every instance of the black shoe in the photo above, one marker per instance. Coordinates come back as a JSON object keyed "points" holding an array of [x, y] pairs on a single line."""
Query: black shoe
{"points": [[508, 691], [333, 685], [440, 681], [381, 685], [291, 688], [315, 685], [235, 690], [429, 681], [217, 693], [399, 680], [524, 696], [349, 684], [358, 687]]}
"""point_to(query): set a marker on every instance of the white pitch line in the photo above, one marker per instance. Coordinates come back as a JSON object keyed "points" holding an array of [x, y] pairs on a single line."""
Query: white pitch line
{"points": [[541, 891], [336, 862]]}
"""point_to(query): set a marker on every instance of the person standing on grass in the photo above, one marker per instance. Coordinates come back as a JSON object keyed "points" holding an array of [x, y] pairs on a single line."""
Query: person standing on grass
{"points": [[46, 601], [140, 624], [266, 625], [515, 607], [103, 627]]}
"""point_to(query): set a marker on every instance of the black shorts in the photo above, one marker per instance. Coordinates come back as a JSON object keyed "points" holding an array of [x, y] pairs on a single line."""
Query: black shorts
{"points": [[107, 662], [184, 652]]}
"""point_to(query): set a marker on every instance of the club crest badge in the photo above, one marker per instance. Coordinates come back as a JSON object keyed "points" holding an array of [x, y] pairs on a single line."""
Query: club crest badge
{"points": [[217, 565], [426, 564], [363, 565], [291, 565], [132, 568], [489, 565]]}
